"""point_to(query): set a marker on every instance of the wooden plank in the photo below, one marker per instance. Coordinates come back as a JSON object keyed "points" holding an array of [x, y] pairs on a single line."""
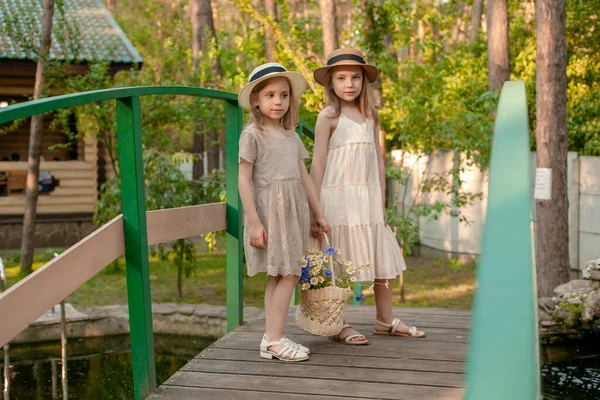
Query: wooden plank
{"points": [[319, 387], [47, 210], [373, 373], [370, 310], [333, 360], [75, 174], [409, 321], [57, 279], [193, 393], [424, 351], [375, 342], [433, 334], [49, 166], [49, 200], [78, 183], [67, 192], [176, 223]]}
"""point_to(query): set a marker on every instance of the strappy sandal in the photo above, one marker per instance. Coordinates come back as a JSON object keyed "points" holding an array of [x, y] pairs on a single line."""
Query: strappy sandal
{"points": [[290, 342], [348, 338], [287, 353], [412, 331]]}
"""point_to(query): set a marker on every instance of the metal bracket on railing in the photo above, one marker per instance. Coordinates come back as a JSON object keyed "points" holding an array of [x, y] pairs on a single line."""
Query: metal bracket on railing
{"points": [[2, 276], [6, 359]]}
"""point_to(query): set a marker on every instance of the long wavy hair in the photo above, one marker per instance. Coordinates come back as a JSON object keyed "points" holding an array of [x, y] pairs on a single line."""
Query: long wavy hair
{"points": [[363, 102], [289, 121]]}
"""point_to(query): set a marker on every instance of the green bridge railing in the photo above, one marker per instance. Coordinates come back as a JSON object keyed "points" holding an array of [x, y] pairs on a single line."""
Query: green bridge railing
{"points": [[503, 358]]}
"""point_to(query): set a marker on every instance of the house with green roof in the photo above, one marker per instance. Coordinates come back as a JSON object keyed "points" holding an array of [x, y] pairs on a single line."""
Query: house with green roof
{"points": [[84, 32]]}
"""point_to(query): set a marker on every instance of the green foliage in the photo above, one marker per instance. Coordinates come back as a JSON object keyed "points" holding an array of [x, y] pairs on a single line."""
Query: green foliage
{"points": [[572, 308], [165, 187], [210, 189]]}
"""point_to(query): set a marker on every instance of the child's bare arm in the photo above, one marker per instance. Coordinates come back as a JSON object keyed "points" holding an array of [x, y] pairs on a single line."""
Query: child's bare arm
{"points": [[313, 198], [322, 133], [258, 233], [380, 167]]}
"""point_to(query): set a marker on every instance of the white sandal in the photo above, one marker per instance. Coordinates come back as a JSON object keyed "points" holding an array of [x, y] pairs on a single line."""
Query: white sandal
{"points": [[287, 353], [412, 331], [290, 342]]}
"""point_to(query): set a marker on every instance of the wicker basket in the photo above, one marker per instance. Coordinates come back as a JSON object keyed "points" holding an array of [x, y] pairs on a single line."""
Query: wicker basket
{"points": [[321, 311]]}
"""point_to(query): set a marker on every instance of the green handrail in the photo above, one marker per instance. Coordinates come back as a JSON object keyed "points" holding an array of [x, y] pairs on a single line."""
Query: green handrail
{"points": [[503, 359], [134, 210]]}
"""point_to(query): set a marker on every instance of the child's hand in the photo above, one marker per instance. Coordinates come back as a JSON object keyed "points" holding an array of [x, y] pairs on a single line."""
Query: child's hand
{"points": [[323, 225], [315, 230], [258, 235]]}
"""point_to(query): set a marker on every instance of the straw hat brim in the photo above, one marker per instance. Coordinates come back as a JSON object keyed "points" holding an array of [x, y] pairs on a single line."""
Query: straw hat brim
{"points": [[371, 71], [297, 80]]}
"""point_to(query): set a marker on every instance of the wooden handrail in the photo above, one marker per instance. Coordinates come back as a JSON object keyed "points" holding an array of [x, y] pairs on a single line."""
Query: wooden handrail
{"points": [[23, 303]]}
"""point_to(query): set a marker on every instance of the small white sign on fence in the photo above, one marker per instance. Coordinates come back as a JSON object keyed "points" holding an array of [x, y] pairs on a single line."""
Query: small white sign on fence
{"points": [[543, 184]]}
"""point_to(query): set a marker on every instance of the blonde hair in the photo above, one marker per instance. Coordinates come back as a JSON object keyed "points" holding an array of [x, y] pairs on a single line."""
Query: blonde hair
{"points": [[362, 102], [289, 121]]}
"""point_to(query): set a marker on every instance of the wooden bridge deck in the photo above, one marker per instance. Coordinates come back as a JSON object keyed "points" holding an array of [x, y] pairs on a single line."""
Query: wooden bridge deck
{"points": [[388, 368]]}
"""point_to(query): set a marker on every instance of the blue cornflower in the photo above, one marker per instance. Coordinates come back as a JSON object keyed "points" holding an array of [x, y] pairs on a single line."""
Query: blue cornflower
{"points": [[327, 272], [305, 275], [360, 298], [330, 250]]}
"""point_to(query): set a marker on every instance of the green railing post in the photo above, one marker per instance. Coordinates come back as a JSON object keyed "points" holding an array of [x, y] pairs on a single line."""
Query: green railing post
{"points": [[234, 213], [131, 172], [503, 359], [294, 298], [357, 291]]}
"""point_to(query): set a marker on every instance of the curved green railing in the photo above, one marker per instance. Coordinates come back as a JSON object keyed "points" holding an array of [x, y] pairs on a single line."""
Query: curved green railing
{"points": [[129, 133], [503, 359]]}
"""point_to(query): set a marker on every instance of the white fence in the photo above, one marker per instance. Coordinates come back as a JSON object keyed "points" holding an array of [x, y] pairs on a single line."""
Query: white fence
{"points": [[449, 235]]}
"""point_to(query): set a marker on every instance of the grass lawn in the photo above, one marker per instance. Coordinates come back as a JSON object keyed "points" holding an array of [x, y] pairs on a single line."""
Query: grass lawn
{"points": [[429, 282]]}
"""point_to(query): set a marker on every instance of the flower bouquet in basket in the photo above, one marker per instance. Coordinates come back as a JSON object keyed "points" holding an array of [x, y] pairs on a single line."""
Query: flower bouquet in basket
{"points": [[325, 291]]}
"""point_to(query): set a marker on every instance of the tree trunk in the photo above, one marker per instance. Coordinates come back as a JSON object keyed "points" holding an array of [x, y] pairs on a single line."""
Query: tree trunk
{"points": [[330, 36], [305, 10], [111, 5], [271, 9], [203, 32], [35, 143], [498, 54], [552, 142], [476, 13]]}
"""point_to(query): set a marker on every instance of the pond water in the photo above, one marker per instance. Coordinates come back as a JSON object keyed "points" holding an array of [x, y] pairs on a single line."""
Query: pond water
{"points": [[572, 380], [98, 368]]}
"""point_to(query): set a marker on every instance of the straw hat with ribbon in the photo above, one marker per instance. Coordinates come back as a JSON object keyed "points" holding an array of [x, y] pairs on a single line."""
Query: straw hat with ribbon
{"points": [[341, 57], [267, 71]]}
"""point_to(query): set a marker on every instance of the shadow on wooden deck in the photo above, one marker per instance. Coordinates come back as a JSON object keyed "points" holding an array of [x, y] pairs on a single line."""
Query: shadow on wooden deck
{"points": [[388, 368]]}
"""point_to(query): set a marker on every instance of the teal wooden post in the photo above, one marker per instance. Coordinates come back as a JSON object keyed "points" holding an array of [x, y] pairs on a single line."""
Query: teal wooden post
{"points": [[503, 360], [358, 288], [136, 245], [294, 298], [235, 298]]}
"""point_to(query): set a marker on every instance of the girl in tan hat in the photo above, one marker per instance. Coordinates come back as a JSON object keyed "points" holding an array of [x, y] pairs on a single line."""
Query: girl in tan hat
{"points": [[349, 173], [276, 192]]}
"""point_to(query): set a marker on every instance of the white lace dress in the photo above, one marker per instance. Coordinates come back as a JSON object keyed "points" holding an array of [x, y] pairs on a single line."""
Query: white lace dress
{"points": [[351, 199], [281, 201]]}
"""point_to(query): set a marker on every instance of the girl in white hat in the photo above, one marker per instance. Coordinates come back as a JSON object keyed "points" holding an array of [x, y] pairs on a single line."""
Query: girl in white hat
{"points": [[276, 192], [349, 173]]}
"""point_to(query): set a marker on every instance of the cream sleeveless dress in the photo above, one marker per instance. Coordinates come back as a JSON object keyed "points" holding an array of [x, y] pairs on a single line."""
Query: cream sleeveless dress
{"points": [[351, 199], [280, 199]]}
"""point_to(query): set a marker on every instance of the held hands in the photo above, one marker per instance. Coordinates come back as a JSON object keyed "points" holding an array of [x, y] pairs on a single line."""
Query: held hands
{"points": [[318, 225], [258, 235]]}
